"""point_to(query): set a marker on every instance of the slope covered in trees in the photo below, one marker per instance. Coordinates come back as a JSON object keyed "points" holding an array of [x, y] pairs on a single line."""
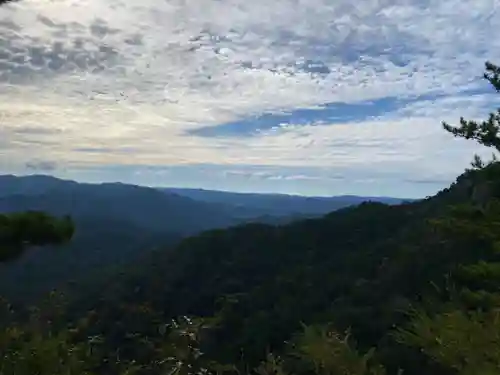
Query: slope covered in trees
{"points": [[367, 290], [119, 222]]}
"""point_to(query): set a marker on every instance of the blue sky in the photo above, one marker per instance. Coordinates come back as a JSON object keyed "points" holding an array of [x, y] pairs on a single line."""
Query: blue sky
{"points": [[314, 97]]}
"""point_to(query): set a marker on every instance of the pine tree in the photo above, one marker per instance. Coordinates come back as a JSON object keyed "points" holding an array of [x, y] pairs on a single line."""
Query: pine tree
{"points": [[32, 228], [485, 132]]}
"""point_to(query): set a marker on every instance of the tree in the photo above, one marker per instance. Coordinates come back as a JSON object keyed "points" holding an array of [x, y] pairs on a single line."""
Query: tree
{"points": [[40, 340], [31, 351], [329, 353], [464, 342], [485, 132], [32, 228]]}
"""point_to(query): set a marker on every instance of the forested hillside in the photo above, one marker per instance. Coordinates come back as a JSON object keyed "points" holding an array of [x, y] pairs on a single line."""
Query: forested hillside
{"points": [[367, 290], [118, 223]]}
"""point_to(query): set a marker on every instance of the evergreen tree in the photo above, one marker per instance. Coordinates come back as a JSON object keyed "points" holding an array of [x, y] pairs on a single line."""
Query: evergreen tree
{"points": [[485, 132], [32, 228]]}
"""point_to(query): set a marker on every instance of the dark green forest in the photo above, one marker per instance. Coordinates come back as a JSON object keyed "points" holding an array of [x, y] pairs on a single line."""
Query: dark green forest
{"points": [[373, 289]]}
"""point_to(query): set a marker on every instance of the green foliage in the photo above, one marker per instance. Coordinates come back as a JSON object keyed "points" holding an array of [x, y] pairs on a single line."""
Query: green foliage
{"points": [[35, 347], [485, 132], [41, 355], [21, 230], [330, 353], [468, 343], [272, 365], [181, 352]]}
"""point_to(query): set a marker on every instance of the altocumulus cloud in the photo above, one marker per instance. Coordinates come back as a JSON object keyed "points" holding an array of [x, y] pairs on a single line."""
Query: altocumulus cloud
{"points": [[313, 96]]}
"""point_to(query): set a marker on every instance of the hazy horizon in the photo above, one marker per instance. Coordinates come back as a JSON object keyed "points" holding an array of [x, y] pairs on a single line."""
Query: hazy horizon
{"points": [[173, 187]]}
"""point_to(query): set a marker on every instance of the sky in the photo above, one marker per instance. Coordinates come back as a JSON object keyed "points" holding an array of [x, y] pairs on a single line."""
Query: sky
{"points": [[310, 97]]}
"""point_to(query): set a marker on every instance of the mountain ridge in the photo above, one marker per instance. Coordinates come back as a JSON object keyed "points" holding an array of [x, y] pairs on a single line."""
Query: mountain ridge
{"points": [[117, 222], [360, 269]]}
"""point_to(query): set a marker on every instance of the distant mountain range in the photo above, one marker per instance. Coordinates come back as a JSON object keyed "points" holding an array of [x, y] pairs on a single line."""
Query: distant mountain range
{"points": [[146, 208], [278, 204], [173, 210], [116, 223]]}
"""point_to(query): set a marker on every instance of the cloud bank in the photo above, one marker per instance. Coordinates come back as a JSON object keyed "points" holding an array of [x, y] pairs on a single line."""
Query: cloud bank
{"points": [[298, 91]]}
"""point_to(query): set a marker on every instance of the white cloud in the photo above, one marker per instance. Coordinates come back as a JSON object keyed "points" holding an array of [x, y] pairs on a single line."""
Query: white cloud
{"points": [[182, 43], [115, 75], [79, 135]]}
